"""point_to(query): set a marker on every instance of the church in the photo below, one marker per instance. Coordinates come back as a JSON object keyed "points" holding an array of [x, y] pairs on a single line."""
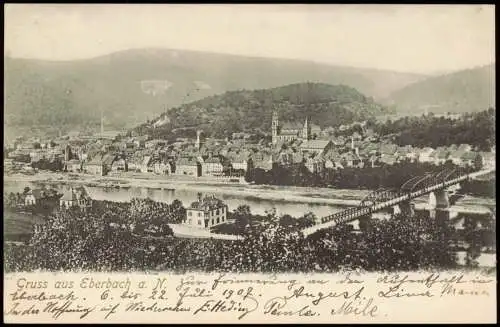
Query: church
{"points": [[289, 131]]}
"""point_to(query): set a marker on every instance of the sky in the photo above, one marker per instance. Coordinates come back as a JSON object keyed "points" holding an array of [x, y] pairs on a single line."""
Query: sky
{"points": [[422, 39]]}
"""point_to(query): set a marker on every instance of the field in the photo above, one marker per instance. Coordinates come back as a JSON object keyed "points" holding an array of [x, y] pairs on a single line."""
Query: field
{"points": [[18, 225]]}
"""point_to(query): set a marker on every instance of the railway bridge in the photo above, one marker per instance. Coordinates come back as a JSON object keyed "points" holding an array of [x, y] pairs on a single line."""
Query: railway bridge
{"points": [[434, 184]]}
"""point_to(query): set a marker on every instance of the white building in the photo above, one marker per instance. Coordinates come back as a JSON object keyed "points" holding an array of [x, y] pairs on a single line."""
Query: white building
{"points": [[206, 212], [425, 155], [75, 197], [212, 167]]}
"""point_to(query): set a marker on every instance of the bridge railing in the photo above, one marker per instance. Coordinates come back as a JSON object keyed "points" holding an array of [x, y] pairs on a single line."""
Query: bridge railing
{"points": [[362, 210]]}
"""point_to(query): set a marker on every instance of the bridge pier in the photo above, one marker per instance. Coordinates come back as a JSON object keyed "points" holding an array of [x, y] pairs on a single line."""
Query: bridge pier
{"points": [[361, 224], [365, 223], [439, 199], [405, 208], [438, 203]]}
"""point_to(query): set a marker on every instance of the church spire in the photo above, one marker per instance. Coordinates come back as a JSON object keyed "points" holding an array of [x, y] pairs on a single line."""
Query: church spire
{"points": [[306, 133], [275, 126]]}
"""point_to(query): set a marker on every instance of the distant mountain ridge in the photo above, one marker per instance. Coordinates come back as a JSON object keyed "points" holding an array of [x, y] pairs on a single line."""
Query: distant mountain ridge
{"points": [[467, 90], [134, 85]]}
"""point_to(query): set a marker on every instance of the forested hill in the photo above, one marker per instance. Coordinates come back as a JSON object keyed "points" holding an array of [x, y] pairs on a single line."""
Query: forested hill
{"points": [[251, 110], [463, 91], [134, 85]]}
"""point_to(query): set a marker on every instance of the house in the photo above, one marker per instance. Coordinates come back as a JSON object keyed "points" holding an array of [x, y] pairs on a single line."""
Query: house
{"points": [[241, 136], [188, 166], [315, 164], [109, 135], [333, 160], [39, 197], [373, 160], [343, 128], [75, 197], [297, 157], [285, 157], [241, 161], [152, 144], [140, 143], [464, 147], [425, 155], [389, 159], [33, 197], [162, 167], [265, 161], [329, 164], [440, 156], [489, 160], [56, 151], [212, 166], [99, 165], [356, 136], [456, 157], [407, 153], [38, 154], [147, 164], [472, 159], [339, 141], [388, 149], [74, 165], [119, 165], [350, 159], [317, 146], [206, 212]]}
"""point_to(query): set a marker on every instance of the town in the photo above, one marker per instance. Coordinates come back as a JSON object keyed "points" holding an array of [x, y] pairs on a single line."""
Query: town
{"points": [[234, 159], [240, 159]]}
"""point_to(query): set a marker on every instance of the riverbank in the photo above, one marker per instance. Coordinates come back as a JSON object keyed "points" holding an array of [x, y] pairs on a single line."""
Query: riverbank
{"points": [[290, 194]]}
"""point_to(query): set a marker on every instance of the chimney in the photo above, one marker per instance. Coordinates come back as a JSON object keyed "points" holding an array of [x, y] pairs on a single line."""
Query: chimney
{"points": [[356, 150], [352, 142], [200, 197]]}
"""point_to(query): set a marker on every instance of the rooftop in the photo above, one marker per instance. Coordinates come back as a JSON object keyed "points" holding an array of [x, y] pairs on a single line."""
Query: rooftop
{"points": [[315, 144], [208, 203], [184, 161]]}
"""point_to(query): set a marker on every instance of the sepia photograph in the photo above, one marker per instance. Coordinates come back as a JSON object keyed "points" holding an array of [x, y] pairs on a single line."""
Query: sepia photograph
{"points": [[246, 139]]}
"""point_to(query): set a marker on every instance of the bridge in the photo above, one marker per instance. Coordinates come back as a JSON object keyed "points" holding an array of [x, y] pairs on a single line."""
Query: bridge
{"points": [[434, 184]]}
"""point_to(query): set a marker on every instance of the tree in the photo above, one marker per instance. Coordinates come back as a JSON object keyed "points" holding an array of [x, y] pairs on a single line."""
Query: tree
{"points": [[478, 162], [242, 216], [473, 239], [287, 221], [176, 204], [308, 220]]}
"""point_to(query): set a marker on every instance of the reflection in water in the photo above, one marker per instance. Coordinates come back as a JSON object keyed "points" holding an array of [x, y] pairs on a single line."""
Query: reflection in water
{"points": [[257, 206]]}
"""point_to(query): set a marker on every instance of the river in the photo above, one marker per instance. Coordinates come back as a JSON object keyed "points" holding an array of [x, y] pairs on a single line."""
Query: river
{"points": [[125, 194], [258, 205]]}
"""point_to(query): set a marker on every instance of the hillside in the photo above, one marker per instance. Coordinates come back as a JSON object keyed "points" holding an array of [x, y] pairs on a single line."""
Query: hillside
{"points": [[244, 110], [134, 85], [463, 91]]}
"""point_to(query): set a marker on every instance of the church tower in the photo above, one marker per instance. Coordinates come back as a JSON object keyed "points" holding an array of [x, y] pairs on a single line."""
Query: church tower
{"points": [[275, 127], [306, 131], [198, 140]]}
